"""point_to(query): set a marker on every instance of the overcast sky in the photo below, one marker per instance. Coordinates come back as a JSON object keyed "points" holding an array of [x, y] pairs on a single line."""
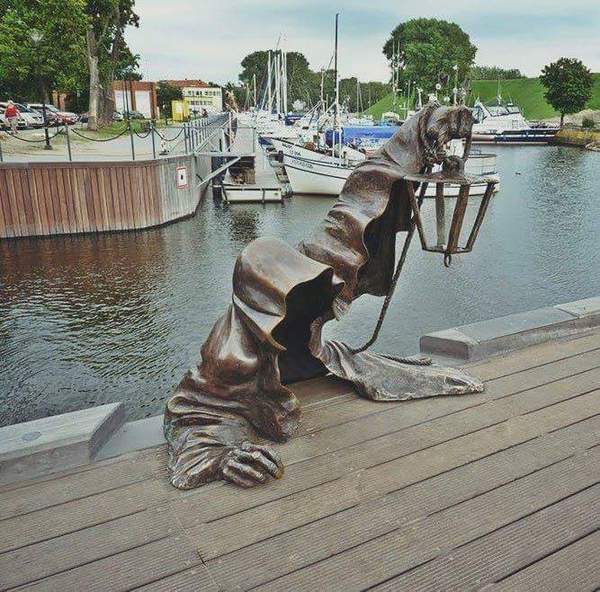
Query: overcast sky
{"points": [[208, 39]]}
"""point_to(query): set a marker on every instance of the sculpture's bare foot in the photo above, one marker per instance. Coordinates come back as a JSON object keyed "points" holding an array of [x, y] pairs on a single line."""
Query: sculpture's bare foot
{"points": [[250, 464]]}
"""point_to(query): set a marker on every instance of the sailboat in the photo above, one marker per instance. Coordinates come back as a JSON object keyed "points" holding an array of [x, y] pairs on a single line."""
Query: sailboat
{"points": [[309, 176]]}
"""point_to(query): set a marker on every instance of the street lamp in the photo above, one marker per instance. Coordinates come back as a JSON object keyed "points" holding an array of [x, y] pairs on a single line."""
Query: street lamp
{"points": [[36, 37], [453, 203]]}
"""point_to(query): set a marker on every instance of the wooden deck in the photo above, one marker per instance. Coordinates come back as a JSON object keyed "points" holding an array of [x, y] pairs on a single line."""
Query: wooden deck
{"points": [[498, 491]]}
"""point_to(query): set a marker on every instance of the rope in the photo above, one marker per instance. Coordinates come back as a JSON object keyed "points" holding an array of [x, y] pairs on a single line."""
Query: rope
{"points": [[169, 139], [99, 139], [142, 136], [395, 278], [34, 141]]}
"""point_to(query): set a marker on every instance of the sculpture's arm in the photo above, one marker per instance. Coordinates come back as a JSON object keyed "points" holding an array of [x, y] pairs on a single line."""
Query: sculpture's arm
{"points": [[209, 444]]}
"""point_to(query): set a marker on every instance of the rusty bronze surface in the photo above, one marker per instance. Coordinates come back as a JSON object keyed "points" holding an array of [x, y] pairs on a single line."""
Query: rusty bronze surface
{"points": [[270, 335]]}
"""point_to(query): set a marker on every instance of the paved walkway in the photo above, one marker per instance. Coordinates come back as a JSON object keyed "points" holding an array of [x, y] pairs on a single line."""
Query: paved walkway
{"points": [[497, 491]]}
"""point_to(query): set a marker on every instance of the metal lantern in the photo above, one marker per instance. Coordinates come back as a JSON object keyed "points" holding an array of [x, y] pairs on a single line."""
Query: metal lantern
{"points": [[448, 236]]}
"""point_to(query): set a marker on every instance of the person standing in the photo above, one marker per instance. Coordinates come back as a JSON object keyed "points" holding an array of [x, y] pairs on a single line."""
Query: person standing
{"points": [[12, 115]]}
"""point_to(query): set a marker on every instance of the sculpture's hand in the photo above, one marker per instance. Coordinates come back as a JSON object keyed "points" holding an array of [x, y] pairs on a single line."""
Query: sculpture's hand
{"points": [[250, 464]]}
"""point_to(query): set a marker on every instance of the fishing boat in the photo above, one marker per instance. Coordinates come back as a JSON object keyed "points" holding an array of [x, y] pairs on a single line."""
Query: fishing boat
{"points": [[307, 176], [500, 122], [299, 150]]}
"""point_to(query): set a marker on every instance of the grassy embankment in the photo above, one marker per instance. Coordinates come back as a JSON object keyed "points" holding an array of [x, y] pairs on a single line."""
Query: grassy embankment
{"points": [[528, 93]]}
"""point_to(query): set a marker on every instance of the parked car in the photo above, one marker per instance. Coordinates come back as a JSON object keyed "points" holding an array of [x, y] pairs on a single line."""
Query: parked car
{"points": [[32, 118], [134, 115], [84, 117], [54, 115], [51, 116]]}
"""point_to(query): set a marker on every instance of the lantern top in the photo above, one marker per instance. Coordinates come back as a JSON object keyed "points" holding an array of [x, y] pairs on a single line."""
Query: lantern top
{"points": [[461, 179]]}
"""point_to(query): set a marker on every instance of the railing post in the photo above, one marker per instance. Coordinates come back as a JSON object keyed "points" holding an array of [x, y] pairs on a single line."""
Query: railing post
{"points": [[153, 140], [131, 138], [68, 142]]}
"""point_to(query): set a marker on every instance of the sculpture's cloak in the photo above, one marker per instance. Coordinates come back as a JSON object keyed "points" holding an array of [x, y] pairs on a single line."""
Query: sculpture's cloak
{"points": [[271, 332]]}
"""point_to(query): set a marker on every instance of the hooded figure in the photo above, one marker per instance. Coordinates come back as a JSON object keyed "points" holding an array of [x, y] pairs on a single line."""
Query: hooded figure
{"points": [[270, 334]]}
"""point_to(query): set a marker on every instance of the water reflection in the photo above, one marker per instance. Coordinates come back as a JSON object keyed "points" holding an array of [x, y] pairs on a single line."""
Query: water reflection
{"points": [[89, 320]]}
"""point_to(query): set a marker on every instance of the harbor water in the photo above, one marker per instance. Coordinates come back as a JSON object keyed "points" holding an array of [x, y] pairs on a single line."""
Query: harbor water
{"points": [[87, 320]]}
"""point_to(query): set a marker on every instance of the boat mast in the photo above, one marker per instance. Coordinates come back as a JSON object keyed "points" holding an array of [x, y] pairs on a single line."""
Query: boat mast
{"points": [[269, 97], [336, 131]]}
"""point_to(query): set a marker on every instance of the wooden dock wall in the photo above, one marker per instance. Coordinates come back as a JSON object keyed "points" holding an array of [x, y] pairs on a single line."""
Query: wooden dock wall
{"points": [[41, 199]]}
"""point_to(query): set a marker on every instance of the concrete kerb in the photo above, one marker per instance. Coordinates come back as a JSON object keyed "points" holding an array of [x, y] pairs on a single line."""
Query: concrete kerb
{"points": [[481, 340]]}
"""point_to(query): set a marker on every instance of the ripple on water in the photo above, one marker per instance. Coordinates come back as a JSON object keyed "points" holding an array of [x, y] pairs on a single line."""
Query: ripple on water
{"points": [[95, 319]]}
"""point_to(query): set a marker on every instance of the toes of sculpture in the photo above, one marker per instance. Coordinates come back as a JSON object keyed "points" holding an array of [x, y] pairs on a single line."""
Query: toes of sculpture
{"points": [[251, 464]]}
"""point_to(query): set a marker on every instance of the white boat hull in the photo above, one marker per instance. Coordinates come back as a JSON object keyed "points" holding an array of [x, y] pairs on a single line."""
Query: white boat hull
{"points": [[297, 151], [250, 194], [317, 178]]}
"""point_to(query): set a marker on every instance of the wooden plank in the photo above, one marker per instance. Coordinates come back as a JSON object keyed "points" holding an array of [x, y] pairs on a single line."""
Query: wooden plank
{"points": [[339, 483], [24, 498], [60, 198], [51, 206], [116, 200], [19, 202], [381, 559], [51, 522], [68, 193], [512, 548], [258, 563], [445, 432], [26, 200], [131, 569], [5, 224], [102, 200], [346, 487], [90, 198], [79, 182], [38, 187], [83, 546], [575, 567], [124, 222], [13, 206], [35, 203]]}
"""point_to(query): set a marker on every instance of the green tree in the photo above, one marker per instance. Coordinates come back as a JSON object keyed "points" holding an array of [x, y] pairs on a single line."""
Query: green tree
{"points": [[165, 93], [494, 73], [41, 46], [568, 85], [425, 52], [106, 53]]}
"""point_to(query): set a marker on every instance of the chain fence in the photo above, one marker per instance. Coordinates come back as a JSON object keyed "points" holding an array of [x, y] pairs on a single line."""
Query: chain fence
{"points": [[73, 143]]}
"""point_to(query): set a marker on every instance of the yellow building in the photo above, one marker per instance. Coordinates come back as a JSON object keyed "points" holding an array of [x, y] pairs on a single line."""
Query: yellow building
{"points": [[198, 96]]}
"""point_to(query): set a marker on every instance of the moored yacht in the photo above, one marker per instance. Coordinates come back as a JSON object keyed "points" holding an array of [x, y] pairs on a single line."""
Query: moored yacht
{"points": [[504, 123]]}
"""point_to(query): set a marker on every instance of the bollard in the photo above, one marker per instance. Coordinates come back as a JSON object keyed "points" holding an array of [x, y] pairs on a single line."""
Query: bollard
{"points": [[68, 142], [153, 141]]}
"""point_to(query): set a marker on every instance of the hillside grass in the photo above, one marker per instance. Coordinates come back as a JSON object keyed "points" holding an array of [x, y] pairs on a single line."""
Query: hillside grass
{"points": [[528, 93]]}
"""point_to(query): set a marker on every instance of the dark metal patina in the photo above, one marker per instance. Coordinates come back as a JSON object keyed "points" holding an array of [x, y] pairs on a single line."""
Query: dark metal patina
{"points": [[282, 297]]}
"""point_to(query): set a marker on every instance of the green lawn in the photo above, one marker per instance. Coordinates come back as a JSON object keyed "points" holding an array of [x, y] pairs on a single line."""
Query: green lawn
{"points": [[528, 93]]}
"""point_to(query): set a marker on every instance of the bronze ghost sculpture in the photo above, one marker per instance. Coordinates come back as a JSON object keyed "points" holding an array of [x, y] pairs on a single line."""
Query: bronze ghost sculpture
{"points": [[270, 335]]}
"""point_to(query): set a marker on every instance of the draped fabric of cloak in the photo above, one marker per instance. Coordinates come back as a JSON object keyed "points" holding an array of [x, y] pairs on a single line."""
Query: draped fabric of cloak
{"points": [[270, 334]]}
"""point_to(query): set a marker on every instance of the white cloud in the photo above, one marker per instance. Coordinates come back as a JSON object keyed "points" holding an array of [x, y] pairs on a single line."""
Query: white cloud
{"points": [[189, 39]]}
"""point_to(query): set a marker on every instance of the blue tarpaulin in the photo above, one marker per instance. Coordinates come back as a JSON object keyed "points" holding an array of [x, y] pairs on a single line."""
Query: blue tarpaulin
{"points": [[350, 134]]}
